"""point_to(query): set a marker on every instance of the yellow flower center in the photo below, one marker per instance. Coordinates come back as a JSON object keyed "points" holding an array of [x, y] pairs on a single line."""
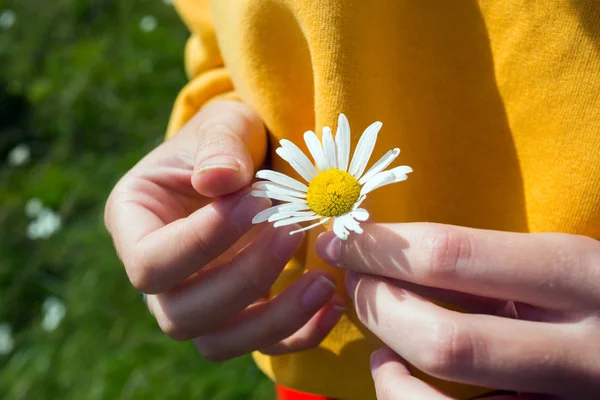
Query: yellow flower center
{"points": [[332, 193]]}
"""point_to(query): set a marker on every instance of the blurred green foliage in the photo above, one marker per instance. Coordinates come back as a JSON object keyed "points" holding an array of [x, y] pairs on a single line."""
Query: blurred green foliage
{"points": [[88, 87]]}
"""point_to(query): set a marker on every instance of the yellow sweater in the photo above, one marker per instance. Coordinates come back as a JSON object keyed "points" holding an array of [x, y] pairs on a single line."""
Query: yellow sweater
{"points": [[495, 104]]}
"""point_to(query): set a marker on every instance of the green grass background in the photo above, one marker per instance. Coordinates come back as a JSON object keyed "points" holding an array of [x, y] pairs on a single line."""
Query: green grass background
{"points": [[89, 92]]}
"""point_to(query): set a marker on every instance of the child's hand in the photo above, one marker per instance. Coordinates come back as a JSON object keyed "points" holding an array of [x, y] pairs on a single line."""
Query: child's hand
{"points": [[183, 247], [533, 300]]}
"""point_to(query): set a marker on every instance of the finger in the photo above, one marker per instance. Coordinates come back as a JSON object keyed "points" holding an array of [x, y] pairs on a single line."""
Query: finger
{"points": [[479, 305], [521, 397], [231, 142], [464, 301], [158, 256], [393, 380], [468, 348], [264, 324], [313, 332], [547, 270], [211, 297]]}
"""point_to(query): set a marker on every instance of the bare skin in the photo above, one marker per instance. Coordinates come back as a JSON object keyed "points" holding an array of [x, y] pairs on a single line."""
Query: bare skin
{"points": [[181, 223], [532, 303]]}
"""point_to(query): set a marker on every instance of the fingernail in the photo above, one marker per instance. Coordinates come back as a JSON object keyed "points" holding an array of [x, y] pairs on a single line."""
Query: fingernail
{"points": [[333, 252], [377, 358], [285, 245], [317, 293], [351, 281], [246, 208], [218, 162], [331, 317]]}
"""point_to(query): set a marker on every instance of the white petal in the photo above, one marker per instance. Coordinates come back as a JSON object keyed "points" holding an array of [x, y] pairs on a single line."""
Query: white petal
{"points": [[297, 159], [360, 214], [394, 175], [364, 148], [340, 229], [281, 179], [295, 220], [351, 224], [380, 165], [329, 148], [316, 150], [379, 180], [400, 178], [321, 222], [267, 186], [286, 155], [293, 207], [277, 196], [265, 214], [401, 172], [288, 214], [342, 142]]}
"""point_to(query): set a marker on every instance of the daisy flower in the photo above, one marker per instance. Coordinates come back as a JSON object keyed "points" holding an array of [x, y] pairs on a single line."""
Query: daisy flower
{"points": [[336, 186]]}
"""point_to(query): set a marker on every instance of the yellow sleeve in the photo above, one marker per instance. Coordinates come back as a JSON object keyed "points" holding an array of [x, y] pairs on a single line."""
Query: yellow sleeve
{"points": [[203, 64]]}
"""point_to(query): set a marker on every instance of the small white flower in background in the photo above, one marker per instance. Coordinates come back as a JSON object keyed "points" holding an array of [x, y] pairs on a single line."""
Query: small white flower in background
{"points": [[7, 19], [6, 339], [44, 225], [19, 155], [168, 2], [54, 311], [335, 190], [45, 220], [33, 207], [148, 23]]}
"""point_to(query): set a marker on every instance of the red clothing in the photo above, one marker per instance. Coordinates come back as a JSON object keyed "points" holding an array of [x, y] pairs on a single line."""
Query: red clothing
{"points": [[284, 393]]}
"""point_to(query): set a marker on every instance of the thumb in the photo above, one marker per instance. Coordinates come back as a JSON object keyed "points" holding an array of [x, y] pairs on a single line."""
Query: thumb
{"points": [[231, 142]]}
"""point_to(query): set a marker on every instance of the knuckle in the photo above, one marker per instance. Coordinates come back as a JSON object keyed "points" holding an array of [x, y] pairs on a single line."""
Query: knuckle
{"points": [[213, 128], [448, 250], [251, 285], [110, 203], [172, 326], [226, 117], [450, 348], [173, 330], [141, 274], [119, 195], [218, 132], [214, 132], [229, 110]]}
